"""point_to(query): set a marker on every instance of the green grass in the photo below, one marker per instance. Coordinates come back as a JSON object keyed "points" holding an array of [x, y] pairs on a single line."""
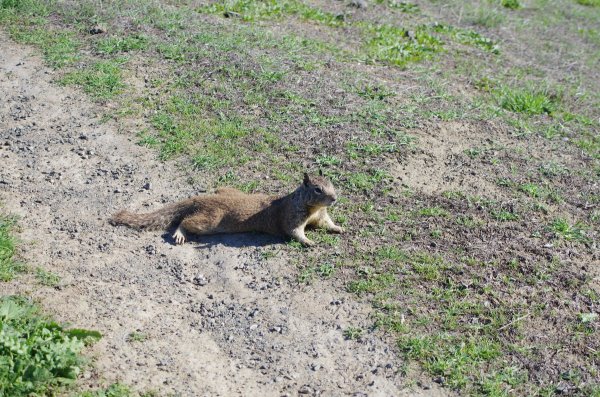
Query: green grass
{"points": [[47, 278], [397, 46], [527, 101], [434, 212], [102, 79], [117, 44], [569, 232], [60, 47], [37, 355], [9, 266], [512, 4], [591, 3]]}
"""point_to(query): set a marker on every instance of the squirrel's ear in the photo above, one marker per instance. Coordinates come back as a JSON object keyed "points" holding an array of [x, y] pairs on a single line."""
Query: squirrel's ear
{"points": [[320, 172], [306, 179]]}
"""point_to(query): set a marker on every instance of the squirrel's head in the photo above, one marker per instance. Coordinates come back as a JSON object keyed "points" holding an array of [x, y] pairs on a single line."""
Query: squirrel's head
{"points": [[318, 191]]}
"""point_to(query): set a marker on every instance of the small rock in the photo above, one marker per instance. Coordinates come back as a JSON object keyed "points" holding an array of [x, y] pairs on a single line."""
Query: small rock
{"points": [[306, 389], [424, 385], [97, 29], [358, 3], [147, 186], [200, 280]]}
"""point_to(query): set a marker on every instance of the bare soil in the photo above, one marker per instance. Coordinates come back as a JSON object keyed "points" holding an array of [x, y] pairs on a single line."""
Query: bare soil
{"points": [[215, 316]]}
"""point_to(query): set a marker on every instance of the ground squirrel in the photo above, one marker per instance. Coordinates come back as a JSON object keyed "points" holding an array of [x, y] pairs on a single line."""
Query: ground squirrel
{"points": [[232, 211]]}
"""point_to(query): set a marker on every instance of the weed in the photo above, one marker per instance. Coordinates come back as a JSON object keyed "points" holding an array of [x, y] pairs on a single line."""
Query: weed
{"points": [[436, 233], [564, 230], [531, 189], [434, 212], [469, 37], [512, 4], [326, 269], [328, 161], [136, 337], [366, 181], [47, 278], [398, 46], [353, 333], [114, 390], [38, 355], [526, 101], [504, 215]]}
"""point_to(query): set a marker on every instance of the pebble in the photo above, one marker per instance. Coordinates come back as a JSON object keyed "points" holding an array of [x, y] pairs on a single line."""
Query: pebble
{"points": [[200, 280]]}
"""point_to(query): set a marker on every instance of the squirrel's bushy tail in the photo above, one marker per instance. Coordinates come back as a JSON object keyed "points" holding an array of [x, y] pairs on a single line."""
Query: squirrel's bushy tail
{"points": [[160, 219]]}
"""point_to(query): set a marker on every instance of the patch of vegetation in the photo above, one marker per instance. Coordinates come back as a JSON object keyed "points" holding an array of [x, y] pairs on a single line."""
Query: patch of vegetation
{"points": [[60, 47], [102, 80], [117, 44], [398, 46], [353, 333], [9, 267], [485, 15], [250, 10], [512, 4], [434, 212], [569, 232], [592, 3], [526, 101], [466, 36], [47, 278], [37, 355]]}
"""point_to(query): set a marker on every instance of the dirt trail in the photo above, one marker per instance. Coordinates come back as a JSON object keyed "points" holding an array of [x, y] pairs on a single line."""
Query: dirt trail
{"points": [[216, 317]]}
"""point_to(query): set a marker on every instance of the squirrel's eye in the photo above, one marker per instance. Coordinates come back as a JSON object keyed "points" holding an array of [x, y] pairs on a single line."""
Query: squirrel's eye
{"points": [[318, 190]]}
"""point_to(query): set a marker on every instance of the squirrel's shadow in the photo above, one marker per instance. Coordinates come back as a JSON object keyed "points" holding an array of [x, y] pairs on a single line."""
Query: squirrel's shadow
{"points": [[236, 240]]}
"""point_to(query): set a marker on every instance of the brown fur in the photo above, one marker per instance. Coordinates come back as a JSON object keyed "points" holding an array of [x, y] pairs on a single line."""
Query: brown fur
{"points": [[232, 211]]}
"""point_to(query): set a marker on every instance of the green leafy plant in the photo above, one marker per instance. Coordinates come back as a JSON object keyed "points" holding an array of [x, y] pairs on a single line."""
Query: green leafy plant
{"points": [[37, 355]]}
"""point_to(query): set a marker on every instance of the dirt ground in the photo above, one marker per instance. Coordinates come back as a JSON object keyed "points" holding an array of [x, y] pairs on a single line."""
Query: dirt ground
{"points": [[211, 317]]}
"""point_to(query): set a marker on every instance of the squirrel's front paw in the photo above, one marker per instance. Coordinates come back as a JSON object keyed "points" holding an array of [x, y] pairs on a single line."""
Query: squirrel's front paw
{"points": [[337, 229], [179, 237], [307, 243]]}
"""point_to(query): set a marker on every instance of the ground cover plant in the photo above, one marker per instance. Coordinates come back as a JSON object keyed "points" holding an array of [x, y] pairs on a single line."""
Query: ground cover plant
{"points": [[463, 139]]}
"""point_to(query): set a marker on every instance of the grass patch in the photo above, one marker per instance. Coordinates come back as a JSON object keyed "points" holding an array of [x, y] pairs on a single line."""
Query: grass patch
{"points": [[37, 355], [9, 267], [102, 80], [512, 4], [398, 46], [60, 47], [117, 44], [527, 101], [590, 3], [569, 232], [47, 278], [250, 10]]}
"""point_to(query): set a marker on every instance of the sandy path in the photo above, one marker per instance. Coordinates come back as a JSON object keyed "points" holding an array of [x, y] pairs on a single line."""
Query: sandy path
{"points": [[218, 319]]}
